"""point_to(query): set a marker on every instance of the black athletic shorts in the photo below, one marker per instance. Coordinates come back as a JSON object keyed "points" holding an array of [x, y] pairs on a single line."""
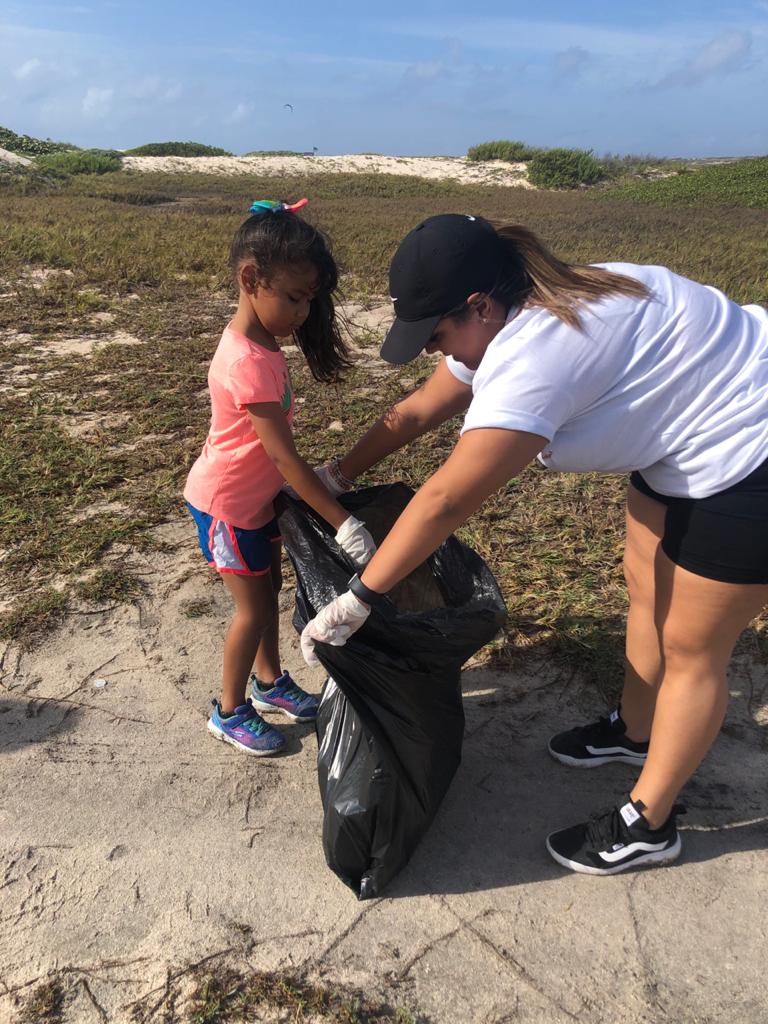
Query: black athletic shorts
{"points": [[723, 537]]}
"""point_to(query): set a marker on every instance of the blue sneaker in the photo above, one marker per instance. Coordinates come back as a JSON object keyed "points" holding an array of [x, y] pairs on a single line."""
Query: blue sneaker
{"points": [[246, 730], [286, 696]]}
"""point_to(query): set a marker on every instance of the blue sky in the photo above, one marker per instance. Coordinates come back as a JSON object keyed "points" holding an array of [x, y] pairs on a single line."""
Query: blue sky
{"points": [[682, 77]]}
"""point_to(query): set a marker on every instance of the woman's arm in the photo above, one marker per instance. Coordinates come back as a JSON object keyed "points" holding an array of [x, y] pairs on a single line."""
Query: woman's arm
{"points": [[269, 422], [437, 400], [482, 462]]}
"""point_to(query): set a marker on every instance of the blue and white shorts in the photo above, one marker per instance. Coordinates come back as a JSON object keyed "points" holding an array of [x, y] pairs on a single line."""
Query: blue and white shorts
{"points": [[229, 548]]}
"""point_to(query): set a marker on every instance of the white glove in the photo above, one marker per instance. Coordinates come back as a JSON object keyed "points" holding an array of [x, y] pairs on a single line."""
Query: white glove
{"points": [[333, 625], [353, 538], [330, 476]]}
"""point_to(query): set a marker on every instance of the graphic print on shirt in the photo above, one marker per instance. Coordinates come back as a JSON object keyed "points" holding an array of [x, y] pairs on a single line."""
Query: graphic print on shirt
{"points": [[285, 401]]}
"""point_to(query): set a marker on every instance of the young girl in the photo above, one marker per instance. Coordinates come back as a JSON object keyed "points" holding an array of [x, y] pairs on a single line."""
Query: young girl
{"points": [[286, 277]]}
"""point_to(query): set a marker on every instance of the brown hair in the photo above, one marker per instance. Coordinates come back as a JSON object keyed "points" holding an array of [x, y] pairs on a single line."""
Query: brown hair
{"points": [[532, 276], [278, 238]]}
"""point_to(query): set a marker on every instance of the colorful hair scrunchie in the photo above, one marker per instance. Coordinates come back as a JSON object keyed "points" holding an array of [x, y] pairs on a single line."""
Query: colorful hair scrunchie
{"points": [[275, 205]]}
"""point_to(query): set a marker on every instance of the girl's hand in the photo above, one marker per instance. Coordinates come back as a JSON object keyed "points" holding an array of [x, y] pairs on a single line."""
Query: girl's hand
{"points": [[333, 625], [356, 541]]}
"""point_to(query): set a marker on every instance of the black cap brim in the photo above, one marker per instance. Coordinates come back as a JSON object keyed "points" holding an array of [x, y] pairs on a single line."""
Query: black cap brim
{"points": [[407, 338]]}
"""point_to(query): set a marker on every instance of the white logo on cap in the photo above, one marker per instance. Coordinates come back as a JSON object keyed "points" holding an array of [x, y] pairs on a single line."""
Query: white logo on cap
{"points": [[470, 218]]}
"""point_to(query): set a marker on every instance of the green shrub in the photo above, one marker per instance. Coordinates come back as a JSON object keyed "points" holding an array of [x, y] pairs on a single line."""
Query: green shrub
{"points": [[82, 161], [502, 149], [274, 152], [564, 168], [177, 149], [29, 146]]}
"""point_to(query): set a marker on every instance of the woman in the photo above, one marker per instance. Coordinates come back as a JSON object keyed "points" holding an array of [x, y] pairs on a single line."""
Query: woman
{"points": [[612, 367]]}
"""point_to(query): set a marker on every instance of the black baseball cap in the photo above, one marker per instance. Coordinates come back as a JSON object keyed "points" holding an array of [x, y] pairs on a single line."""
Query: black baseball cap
{"points": [[438, 264]]}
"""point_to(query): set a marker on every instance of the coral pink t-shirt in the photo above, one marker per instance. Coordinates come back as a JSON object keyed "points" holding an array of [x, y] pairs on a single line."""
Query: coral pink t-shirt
{"points": [[234, 479]]}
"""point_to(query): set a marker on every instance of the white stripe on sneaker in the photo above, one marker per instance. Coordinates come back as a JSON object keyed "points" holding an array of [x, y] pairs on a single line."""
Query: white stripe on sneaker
{"points": [[626, 851], [605, 751]]}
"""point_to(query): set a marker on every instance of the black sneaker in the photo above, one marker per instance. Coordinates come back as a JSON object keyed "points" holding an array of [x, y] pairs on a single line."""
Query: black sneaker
{"points": [[600, 742], [616, 840]]}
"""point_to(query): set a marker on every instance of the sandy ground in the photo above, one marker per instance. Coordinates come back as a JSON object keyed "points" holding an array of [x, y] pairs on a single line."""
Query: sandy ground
{"points": [[492, 172], [14, 159], [134, 846]]}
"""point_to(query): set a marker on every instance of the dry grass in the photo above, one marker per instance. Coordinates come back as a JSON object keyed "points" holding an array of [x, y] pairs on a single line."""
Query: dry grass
{"points": [[94, 447]]}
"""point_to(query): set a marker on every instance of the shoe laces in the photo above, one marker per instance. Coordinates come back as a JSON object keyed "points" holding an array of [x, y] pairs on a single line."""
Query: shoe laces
{"points": [[294, 692], [256, 725], [606, 828]]}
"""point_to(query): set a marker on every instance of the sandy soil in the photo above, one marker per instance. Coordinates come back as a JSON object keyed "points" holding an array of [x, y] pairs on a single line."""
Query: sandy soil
{"points": [[14, 159], [135, 847], [493, 172]]}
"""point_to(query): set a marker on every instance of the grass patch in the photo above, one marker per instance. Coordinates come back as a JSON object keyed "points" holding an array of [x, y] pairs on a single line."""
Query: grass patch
{"points": [[44, 1005], [743, 183], [83, 436], [231, 996], [32, 617]]}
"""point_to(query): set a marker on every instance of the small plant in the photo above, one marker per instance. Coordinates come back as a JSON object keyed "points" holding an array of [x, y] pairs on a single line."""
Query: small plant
{"points": [[502, 149], [44, 1005], [177, 149], [110, 584], [81, 161], [564, 168]]}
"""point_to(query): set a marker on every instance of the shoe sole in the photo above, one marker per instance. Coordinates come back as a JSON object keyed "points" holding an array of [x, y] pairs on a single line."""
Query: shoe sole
{"points": [[647, 860], [219, 735], [261, 706], [597, 762]]}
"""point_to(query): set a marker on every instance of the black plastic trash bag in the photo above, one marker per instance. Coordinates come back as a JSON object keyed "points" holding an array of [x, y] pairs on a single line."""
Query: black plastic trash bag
{"points": [[391, 721]]}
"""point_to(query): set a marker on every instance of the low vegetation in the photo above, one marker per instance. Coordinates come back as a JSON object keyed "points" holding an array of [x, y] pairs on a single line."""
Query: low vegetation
{"points": [[94, 449], [26, 145], [81, 161], [176, 149], [742, 183]]}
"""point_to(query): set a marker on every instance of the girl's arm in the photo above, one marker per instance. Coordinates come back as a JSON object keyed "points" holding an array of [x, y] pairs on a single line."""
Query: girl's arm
{"points": [[437, 400], [482, 462], [274, 432]]}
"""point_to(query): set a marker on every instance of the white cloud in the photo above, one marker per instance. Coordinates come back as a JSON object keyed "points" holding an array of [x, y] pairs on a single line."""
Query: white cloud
{"points": [[96, 102], [728, 51], [28, 68], [241, 111]]}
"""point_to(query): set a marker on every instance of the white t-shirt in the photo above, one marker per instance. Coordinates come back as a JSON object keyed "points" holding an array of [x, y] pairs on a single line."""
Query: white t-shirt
{"points": [[675, 385]]}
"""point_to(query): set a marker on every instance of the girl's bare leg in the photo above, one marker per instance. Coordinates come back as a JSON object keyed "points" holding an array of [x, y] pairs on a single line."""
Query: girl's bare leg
{"points": [[267, 664], [255, 612]]}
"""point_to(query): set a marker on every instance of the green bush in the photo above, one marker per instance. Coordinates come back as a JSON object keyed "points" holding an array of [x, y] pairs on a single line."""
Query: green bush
{"points": [[82, 161], [26, 145], [502, 149], [177, 149], [564, 168], [274, 152]]}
